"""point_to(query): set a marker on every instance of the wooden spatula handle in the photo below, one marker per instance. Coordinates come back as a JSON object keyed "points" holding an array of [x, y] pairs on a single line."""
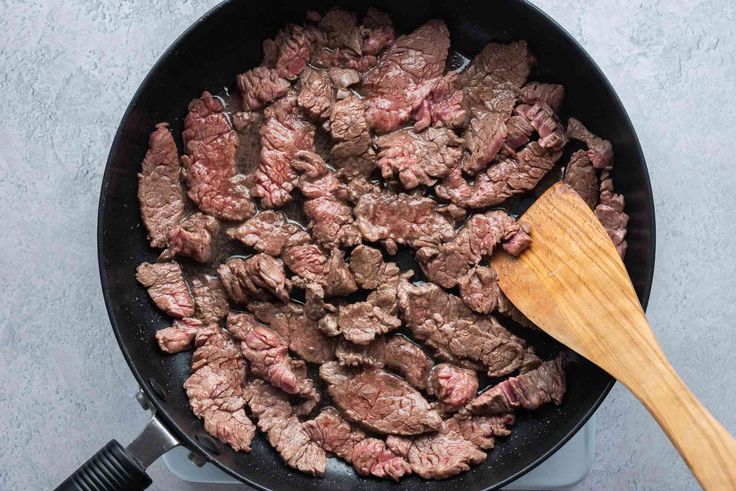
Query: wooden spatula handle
{"points": [[706, 446]]}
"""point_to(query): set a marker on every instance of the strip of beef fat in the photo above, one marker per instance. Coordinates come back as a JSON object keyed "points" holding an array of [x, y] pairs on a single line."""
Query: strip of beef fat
{"points": [[167, 288], [209, 163], [159, 191]]}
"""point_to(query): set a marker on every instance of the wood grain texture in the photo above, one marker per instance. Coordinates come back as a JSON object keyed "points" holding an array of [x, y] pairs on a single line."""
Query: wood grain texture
{"points": [[572, 283]]}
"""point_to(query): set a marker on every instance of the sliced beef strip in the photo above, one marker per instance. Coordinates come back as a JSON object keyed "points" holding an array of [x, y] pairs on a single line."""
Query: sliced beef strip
{"points": [[209, 163], [379, 401], [542, 385], [600, 151], [330, 217], [479, 290], [290, 321], [552, 95], [519, 132], [582, 177], [257, 277], [342, 58], [315, 306], [179, 336], [418, 158], [352, 151], [316, 94], [446, 263], [369, 268], [290, 50], [405, 75], [243, 121], [377, 31], [210, 299], [369, 456], [499, 64], [284, 132], [267, 232], [312, 265], [610, 212], [454, 386], [548, 126], [159, 190], [215, 388], [457, 334], [167, 288], [341, 30], [399, 218], [277, 419], [513, 175], [342, 78], [259, 86], [268, 355], [192, 238], [444, 106], [359, 322]]}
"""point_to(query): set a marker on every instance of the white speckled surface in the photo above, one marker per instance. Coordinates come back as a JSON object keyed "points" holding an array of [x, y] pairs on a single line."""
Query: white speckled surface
{"points": [[67, 71]]}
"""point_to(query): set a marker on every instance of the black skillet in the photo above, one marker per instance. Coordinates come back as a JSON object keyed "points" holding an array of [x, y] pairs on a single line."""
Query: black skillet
{"points": [[227, 41]]}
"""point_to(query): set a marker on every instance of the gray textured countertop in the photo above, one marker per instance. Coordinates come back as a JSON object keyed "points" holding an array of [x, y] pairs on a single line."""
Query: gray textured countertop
{"points": [[69, 68]]}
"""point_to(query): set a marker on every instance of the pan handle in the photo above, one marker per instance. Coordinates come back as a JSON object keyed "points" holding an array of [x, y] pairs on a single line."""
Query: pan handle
{"points": [[115, 468]]}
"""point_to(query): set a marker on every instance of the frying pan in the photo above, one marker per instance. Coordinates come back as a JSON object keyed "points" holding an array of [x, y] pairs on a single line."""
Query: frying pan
{"points": [[227, 41]]}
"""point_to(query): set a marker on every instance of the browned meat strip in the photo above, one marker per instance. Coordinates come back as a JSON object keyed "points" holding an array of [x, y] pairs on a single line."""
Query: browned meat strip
{"points": [[418, 158], [215, 388], [405, 75], [297, 329], [330, 217], [267, 232], [179, 336], [454, 386], [289, 51], [446, 263], [210, 299], [479, 290], [311, 264], [342, 78], [359, 322], [257, 277], [246, 121], [399, 218], [377, 31], [167, 288], [379, 401], [284, 132], [259, 86], [610, 212], [352, 151], [315, 306], [341, 30], [487, 131], [369, 269], [551, 94], [443, 106], [316, 93], [192, 238], [544, 120], [277, 419], [209, 163], [159, 191], [582, 177], [531, 389], [600, 151], [456, 333], [513, 175], [519, 132], [369, 456]]}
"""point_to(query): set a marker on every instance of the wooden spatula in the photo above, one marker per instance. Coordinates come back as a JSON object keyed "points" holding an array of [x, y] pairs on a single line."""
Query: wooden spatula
{"points": [[572, 283]]}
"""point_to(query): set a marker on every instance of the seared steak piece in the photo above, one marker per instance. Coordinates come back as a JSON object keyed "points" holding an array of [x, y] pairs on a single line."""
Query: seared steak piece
{"points": [[159, 191], [259, 86], [342, 78], [209, 163], [359, 322], [395, 352], [610, 212], [179, 336], [454, 448], [284, 132], [277, 419], [544, 384], [369, 269], [513, 175], [377, 31], [289, 51], [446, 263], [418, 158], [457, 334], [297, 329], [519, 132], [443, 106], [399, 218], [215, 388], [316, 93], [582, 177], [544, 120], [268, 355], [167, 288], [330, 217], [379, 401], [311, 264], [479, 290], [210, 299], [405, 75], [600, 151], [341, 30], [369, 456], [267, 232], [257, 277], [192, 238], [551, 94], [315, 306], [244, 121], [454, 386], [352, 151]]}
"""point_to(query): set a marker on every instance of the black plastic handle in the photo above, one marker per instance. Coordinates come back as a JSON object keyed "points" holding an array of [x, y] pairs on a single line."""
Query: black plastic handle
{"points": [[113, 468]]}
